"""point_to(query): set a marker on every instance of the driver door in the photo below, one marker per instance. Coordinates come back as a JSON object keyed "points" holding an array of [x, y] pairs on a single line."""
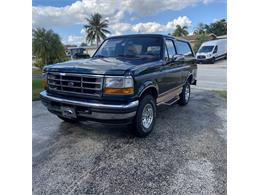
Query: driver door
{"points": [[170, 70]]}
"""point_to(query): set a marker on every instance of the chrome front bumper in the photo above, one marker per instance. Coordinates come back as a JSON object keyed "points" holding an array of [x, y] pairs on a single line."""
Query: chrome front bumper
{"points": [[98, 111]]}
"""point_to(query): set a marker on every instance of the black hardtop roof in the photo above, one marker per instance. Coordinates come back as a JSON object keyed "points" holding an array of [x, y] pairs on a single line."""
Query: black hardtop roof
{"points": [[146, 35]]}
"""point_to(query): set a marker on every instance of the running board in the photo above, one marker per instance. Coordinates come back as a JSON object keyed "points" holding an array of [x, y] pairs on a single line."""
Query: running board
{"points": [[169, 97], [170, 102]]}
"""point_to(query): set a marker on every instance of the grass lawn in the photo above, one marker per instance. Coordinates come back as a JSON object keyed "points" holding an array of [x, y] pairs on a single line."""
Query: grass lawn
{"points": [[36, 71], [36, 89], [222, 93]]}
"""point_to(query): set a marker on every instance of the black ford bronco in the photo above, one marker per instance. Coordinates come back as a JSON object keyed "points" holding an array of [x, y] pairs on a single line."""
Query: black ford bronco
{"points": [[125, 80]]}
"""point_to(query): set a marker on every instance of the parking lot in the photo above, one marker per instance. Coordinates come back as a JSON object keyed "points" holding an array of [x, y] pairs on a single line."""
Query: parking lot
{"points": [[185, 154]]}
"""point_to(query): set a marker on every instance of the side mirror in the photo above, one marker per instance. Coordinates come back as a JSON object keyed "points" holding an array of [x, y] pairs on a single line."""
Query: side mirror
{"points": [[177, 58]]}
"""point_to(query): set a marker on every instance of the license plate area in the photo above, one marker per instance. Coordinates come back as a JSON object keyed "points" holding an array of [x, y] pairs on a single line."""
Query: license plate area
{"points": [[68, 112]]}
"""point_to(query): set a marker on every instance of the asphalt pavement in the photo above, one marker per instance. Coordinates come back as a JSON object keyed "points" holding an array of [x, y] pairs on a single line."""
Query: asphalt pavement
{"points": [[212, 76], [185, 154]]}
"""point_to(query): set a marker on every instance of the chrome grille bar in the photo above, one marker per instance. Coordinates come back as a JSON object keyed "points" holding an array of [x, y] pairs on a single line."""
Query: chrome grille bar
{"points": [[78, 84]]}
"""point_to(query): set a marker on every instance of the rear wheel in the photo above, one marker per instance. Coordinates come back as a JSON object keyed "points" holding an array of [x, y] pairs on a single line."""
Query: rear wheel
{"points": [[145, 116], [185, 94], [68, 119]]}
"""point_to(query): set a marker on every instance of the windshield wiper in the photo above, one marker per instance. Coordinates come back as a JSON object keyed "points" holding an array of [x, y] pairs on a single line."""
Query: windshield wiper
{"points": [[149, 56], [127, 56]]}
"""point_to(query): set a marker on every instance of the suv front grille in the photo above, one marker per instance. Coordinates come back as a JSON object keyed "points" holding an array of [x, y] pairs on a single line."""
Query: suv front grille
{"points": [[201, 57], [78, 84]]}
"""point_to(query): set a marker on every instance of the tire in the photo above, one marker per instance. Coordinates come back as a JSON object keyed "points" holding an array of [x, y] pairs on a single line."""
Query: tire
{"points": [[213, 60], [146, 107], [185, 95], [68, 120]]}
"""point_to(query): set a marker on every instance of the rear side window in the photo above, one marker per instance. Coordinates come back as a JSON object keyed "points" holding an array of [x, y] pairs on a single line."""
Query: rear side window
{"points": [[170, 48], [183, 48]]}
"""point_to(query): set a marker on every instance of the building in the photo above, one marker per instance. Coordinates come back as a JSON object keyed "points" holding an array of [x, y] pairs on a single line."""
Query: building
{"points": [[90, 50], [222, 37], [87, 50]]}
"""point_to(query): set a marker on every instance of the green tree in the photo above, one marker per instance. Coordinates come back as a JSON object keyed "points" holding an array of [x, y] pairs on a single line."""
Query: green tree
{"points": [[96, 28], [180, 31], [218, 28], [47, 47], [200, 29]]}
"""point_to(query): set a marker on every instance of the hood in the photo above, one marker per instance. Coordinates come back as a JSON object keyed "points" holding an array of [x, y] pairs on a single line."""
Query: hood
{"points": [[109, 66], [203, 53]]}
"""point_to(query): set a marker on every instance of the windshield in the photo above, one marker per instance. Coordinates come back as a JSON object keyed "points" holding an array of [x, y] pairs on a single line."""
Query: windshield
{"points": [[206, 49], [131, 47]]}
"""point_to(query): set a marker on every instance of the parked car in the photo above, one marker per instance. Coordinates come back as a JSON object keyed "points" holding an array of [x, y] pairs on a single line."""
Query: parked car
{"points": [[80, 56], [211, 51], [124, 81]]}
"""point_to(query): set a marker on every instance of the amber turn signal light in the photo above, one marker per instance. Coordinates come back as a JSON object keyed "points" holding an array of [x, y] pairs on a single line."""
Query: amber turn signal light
{"points": [[123, 91]]}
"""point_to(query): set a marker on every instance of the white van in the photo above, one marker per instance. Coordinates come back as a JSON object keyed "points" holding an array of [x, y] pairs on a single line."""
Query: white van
{"points": [[211, 51]]}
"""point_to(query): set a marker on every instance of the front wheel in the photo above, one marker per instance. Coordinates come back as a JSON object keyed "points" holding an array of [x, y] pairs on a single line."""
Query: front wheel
{"points": [[145, 116], [185, 94], [213, 60]]}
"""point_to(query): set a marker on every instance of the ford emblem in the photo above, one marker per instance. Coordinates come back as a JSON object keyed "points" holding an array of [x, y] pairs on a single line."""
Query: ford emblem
{"points": [[71, 84]]}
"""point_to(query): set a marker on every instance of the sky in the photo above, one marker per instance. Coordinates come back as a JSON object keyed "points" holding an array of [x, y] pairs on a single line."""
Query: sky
{"points": [[67, 17]]}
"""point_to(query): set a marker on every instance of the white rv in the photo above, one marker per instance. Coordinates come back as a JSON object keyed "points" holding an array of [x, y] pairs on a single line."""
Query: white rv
{"points": [[211, 51]]}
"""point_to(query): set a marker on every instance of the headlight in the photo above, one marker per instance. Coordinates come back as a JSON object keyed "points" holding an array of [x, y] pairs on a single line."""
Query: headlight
{"points": [[119, 85], [44, 80]]}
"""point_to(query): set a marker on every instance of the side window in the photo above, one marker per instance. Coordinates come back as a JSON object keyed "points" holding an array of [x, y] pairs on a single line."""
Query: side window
{"points": [[215, 49], [166, 56], [170, 48], [183, 48]]}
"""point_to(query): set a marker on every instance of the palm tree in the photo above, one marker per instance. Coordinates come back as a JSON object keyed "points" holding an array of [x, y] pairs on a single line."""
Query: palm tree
{"points": [[200, 29], [47, 46], [218, 28], [180, 31], [96, 28], [40, 44]]}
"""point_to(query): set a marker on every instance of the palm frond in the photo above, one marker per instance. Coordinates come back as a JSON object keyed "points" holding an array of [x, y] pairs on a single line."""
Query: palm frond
{"points": [[96, 28]]}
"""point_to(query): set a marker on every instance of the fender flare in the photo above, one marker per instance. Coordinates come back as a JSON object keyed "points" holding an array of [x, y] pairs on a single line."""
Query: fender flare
{"points": [[146, 85], [190, 74]]}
